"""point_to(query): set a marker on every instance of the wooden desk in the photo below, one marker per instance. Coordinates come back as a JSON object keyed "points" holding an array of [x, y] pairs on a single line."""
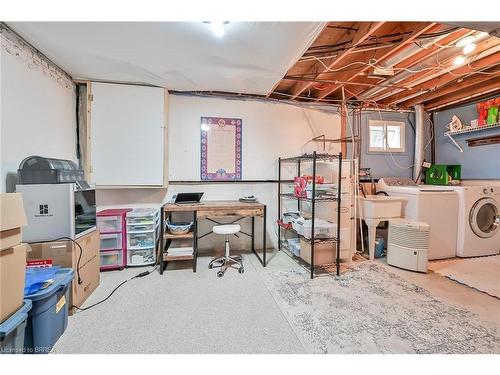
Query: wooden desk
{"points": [[209, 210]]}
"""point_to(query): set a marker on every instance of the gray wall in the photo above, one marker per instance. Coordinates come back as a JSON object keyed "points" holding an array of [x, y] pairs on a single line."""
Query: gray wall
{"points": [[381, 164], [481, 162]]}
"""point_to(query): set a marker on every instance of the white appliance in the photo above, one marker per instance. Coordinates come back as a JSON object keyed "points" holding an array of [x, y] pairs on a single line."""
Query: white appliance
{"points": [[479, 221], [434, 205], [57, 210], [408, 244]]}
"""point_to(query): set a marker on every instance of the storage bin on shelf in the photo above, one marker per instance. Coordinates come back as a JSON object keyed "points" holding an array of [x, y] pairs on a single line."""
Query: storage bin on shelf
{"points": [[12, 331], [48, 317], [324, 252], [294, 246], [322, 228]]}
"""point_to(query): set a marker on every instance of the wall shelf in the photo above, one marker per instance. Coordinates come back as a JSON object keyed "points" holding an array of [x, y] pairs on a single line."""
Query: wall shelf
{"points": [[469, 129]]}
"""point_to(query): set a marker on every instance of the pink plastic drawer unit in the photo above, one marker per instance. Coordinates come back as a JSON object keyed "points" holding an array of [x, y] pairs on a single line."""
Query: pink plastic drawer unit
{"points": [[112, 226], [112, 260]]}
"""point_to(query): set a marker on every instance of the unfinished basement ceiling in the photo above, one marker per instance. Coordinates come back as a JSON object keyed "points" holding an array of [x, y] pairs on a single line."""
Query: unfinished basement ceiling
{"points": [[415, 64], [250, 58]]}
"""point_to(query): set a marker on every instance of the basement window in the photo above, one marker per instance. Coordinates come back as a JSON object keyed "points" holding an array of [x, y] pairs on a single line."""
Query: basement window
{"points": [[386, 136]]}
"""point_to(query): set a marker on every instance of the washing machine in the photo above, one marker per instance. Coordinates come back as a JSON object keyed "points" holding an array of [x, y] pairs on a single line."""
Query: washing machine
{"points": [[437, 206], [479, 221]]}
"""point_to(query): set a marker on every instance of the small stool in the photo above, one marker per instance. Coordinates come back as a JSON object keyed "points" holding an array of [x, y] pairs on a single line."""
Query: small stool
{"points": [[226, 261]]}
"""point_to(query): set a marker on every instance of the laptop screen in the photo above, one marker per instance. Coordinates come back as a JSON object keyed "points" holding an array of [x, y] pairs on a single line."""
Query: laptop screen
{"points": [[188, 197]]}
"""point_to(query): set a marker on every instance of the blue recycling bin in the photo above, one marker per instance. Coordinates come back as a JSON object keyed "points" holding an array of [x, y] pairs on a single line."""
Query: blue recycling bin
{"points": [[12, 330], [48, 317]]}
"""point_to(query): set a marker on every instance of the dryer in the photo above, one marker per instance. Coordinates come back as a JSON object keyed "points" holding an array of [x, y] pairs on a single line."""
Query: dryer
{"points": [[479, 221], [434, 205]]}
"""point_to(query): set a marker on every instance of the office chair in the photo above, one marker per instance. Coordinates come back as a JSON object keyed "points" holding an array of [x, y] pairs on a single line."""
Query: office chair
{"points": [[226, 261]]}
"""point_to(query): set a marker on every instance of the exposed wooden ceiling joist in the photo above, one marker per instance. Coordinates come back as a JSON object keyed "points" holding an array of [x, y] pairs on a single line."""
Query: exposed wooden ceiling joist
{"points": [[364, 30], [379, 57]]}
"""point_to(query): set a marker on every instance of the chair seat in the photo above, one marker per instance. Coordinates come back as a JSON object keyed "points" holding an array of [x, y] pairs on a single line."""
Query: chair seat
{"points": [[226, 229]]}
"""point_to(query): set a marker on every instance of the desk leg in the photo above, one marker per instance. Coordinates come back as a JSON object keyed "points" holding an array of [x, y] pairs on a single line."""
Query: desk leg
{"points": [[253, 233], [195, 241], [162, 239], [264, 225]]}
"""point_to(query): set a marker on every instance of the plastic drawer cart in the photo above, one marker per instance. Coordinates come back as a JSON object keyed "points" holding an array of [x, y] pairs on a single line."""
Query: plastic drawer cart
{"points": [[113, 237], [142, 236], [12, 331], [48, 317]]}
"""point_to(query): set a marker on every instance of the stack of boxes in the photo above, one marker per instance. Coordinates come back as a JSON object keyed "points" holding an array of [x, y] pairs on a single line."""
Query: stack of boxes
{"points": [[12, 254]]}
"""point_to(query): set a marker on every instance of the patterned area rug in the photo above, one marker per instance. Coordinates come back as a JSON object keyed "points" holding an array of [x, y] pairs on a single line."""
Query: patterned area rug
{"points": [[371, 310]]}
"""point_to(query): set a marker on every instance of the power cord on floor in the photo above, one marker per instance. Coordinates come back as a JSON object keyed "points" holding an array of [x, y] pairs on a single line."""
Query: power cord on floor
{"points": [[79, 279], [139, 275]]}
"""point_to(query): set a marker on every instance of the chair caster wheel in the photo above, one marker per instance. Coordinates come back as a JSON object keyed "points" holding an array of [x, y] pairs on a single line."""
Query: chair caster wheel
{"points": [[220, 274], [241, 270], [210, 266]]}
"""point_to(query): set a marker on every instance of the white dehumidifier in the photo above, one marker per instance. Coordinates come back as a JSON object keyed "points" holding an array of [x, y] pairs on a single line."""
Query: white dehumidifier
{"points": [[408, 244]]}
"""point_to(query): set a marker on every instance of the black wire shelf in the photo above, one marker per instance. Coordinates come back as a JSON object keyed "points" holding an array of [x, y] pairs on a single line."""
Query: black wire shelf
{"points": [[310, 158], [321, 198]]}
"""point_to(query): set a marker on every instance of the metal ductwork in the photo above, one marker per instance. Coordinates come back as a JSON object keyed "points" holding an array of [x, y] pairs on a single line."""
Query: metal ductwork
{"points": [[419, 141]]}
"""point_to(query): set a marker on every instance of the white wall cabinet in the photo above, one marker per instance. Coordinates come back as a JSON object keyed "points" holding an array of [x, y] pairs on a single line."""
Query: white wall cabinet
{"points": [[127, 135]]}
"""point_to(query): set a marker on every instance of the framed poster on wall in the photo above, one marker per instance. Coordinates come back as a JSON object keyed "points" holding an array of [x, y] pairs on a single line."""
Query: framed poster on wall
{"points": [[221, 141]]}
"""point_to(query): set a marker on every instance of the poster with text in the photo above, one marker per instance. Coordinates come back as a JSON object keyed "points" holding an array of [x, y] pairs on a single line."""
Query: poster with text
{"points": [[221, 141]]}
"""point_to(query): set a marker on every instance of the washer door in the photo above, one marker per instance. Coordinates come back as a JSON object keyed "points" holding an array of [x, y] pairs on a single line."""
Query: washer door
{"points": [[484, 218]]}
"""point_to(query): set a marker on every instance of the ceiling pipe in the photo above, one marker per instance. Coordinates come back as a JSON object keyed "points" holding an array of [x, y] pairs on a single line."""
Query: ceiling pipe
{"points": [[419, 142]]}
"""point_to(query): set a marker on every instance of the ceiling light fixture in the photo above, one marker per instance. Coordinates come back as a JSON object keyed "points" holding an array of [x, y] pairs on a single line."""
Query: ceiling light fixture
{"points": [[464, 41], [218, 28], [459, 60], [469, 48]]}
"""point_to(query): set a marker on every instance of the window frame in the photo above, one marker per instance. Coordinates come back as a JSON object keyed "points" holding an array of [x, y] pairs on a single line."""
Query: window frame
{"points": [[384, 125]]}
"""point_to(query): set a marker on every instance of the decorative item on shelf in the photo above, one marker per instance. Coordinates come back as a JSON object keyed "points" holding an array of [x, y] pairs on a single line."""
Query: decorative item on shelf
{"points": [[249, 199], [455, 124], [300, 184], [488, 112], [474, 123], [179, 228]]}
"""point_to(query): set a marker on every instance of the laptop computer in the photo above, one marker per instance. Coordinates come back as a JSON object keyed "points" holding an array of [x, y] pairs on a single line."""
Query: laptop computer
{"points": [[188, 198]]}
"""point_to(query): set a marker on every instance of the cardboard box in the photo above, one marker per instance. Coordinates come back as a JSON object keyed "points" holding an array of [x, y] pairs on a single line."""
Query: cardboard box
{"points": [[12, 218], [66, 254], [324, 253], [12, 278]]}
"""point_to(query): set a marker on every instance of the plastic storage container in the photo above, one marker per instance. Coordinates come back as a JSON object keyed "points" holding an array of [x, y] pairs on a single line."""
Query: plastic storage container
{"points": [[111, 259], [132, 228], [322, 228], [294, 246], [13, 329], [140, 240], [107, 224], [48, 317], [141, 257], [111, 241]]}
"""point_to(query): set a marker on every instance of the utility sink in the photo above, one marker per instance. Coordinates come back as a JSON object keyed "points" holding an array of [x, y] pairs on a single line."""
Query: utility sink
{"points": [[379, 206], [376, 208]]}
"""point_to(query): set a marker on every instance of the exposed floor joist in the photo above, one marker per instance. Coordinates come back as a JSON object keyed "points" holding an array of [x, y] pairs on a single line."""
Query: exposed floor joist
{"points": [[418, 61]]}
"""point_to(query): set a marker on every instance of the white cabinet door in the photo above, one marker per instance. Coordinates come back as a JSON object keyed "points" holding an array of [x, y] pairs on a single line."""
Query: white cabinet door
{"points": [[127, 135]]}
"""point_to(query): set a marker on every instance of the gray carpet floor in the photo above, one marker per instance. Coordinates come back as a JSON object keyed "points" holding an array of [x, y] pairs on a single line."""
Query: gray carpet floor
{"points": [[276, 309], [181, 312]]}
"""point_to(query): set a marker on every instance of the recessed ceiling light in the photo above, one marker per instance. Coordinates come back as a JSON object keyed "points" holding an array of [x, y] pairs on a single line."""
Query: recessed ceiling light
{"points": [[469, 48], [459, 60]]}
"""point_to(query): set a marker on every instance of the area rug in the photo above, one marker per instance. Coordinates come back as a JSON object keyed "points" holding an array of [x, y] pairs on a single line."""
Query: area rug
{"points": [[371, 310], [482, 273]]}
